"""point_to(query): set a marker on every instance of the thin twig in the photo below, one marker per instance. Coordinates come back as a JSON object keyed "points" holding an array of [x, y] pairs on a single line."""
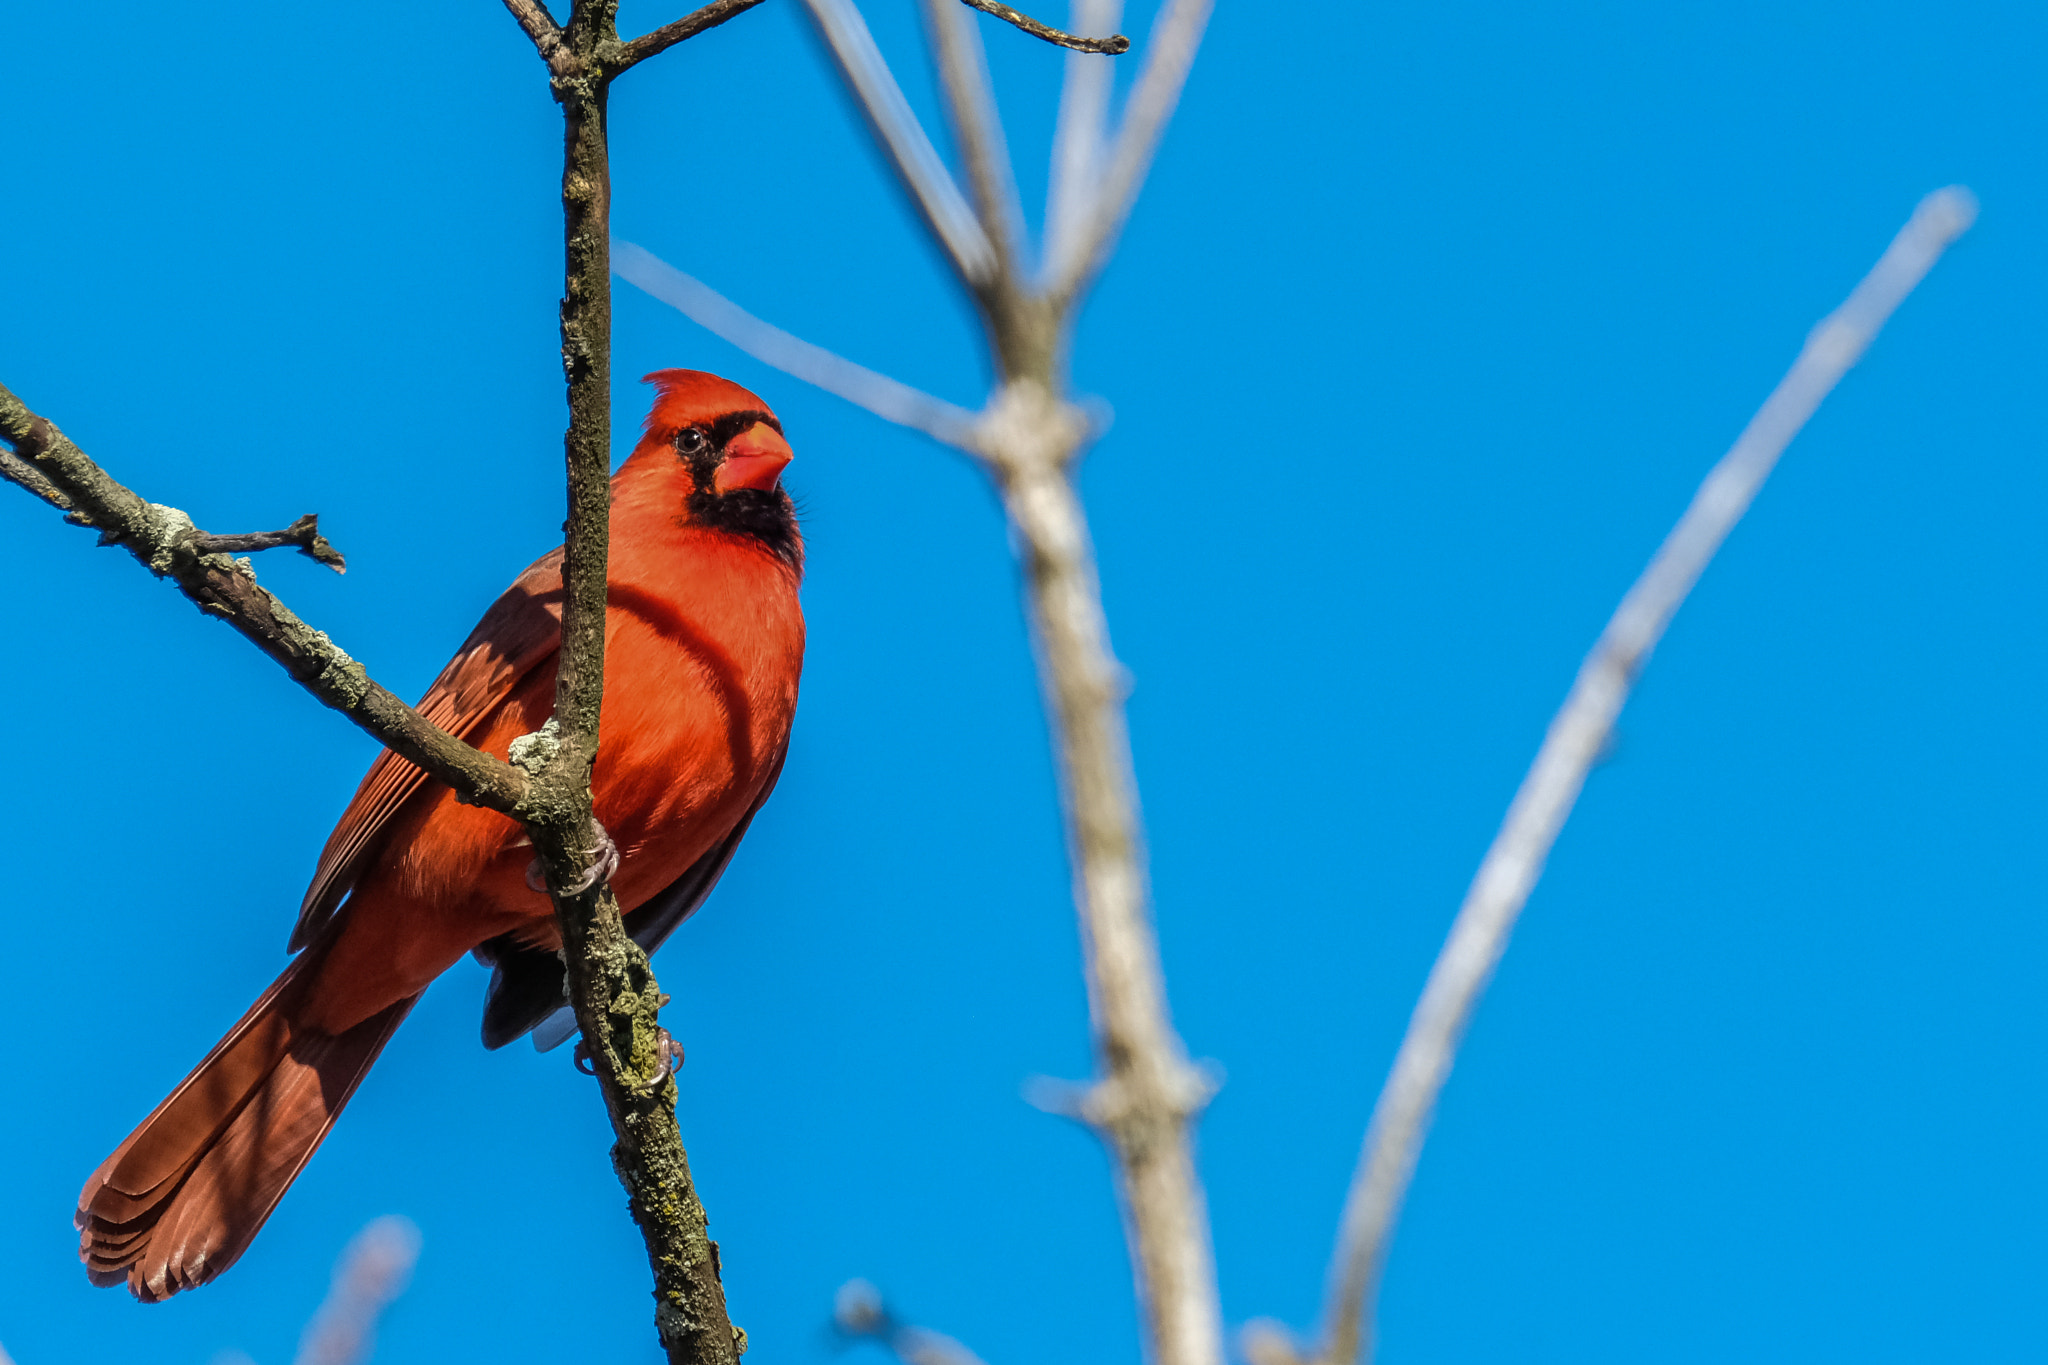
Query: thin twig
{"points": [[859, 1314], [22, 474], [932, 189], [1078, 140], [1145, 1100], [1573, 743], [1115, 45], [372, 1272], [611, 986], [628, 55], [978, 132], [1144, 1104], [885, 397], [303, 534], [541, 27], [164, 540], [1169, 54]]}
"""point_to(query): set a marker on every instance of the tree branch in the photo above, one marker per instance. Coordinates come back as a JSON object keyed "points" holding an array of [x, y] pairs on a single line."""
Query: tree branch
{"points": [[625, 56], [917, 163], [1170, 52], [22, 474], [1144, 1105], [978, 132], [546, 34], [1145, 1101], [1077, 141], [888, 399], [858, 1314], [611, 985], [1400, 1120], [164, 540], [303, 533], [1115, 45], [373, 1271]]}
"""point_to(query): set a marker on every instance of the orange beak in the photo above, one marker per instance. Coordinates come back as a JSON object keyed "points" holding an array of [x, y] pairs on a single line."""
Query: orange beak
{"points": [[754, 459]]}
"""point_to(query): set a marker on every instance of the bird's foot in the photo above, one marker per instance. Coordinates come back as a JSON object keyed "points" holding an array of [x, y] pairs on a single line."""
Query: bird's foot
{"points": [[604, 864], [669, 1058], [667, 1050]]}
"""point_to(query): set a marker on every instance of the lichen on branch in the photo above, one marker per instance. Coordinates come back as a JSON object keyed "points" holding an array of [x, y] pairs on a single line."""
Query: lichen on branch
{"points": [[165, 541]]}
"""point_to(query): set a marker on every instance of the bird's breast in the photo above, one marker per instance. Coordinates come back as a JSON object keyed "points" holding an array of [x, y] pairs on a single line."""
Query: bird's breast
{"points": [[700, 693]]}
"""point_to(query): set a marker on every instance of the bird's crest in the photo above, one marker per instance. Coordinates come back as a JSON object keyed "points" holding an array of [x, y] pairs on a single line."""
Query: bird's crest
{"points": [[688, 397]]}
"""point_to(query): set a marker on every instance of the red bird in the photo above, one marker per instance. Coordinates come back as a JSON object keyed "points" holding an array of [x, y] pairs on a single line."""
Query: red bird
{"points": [[704, 645]]}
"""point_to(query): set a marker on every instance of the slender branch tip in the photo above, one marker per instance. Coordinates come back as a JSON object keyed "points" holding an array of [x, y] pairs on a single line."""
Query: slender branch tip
{"points": [[625, 56], [1575, 742], [303, 534], [1113, 46]]}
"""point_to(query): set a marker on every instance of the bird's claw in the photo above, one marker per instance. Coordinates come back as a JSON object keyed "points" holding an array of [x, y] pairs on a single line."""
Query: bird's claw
{"points": [[669, 1056], [604, 864], [667, 1051]]}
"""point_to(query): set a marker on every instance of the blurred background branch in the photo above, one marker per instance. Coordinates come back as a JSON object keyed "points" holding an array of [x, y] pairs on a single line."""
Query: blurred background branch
{"points": [[372, 1272], [1029, 435], [1479, 935], [860, 1314], [888, 399]]}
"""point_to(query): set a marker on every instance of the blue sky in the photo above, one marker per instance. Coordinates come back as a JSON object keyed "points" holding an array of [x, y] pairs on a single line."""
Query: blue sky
{"points": [[1429, 322]]}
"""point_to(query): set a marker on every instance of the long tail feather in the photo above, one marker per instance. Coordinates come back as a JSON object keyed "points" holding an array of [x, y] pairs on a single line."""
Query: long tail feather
{"points": [[182, 1198]]}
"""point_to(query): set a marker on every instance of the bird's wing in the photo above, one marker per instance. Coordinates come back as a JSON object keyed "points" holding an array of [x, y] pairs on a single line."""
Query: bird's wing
{"points": [[527, 990], [521, 632], [652, 923]]}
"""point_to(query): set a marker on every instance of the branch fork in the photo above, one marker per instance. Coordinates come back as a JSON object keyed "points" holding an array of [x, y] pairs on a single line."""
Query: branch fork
{"points": [[1027, 438], [1116, 1108], [303, 534]]}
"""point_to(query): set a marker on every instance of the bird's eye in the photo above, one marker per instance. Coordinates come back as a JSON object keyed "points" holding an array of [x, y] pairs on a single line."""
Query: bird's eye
{"points": [[691, 441]]}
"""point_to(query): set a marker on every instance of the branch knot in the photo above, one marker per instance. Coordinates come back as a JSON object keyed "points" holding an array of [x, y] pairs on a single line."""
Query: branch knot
{"points": [[166, 535], [531, 754], [342, 676], [1125, 1106]]}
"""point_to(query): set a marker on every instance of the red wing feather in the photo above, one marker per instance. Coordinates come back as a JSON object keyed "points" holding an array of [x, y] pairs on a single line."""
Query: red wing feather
{"points": [[521, 631]]}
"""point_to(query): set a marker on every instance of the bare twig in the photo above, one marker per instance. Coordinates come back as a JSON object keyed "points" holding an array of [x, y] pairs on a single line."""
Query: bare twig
{"points": [[611, 985], [978, 131], [628, 55], [372, 1272], [1115, 45], [1077, 142], [541, 27], [1169, 54], [304, 534], [165, 541], [1146, 1097], [1144, 1105], [22, 474], [859, 1314], [885, 397], [1400, 1120], [917, 163]]}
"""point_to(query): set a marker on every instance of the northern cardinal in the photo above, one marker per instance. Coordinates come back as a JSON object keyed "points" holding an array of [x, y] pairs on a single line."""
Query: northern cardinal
{"points": [[704, 644]]}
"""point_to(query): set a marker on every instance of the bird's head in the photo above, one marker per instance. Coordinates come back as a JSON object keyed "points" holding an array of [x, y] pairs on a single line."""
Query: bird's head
{"points": [[728, 451]]}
